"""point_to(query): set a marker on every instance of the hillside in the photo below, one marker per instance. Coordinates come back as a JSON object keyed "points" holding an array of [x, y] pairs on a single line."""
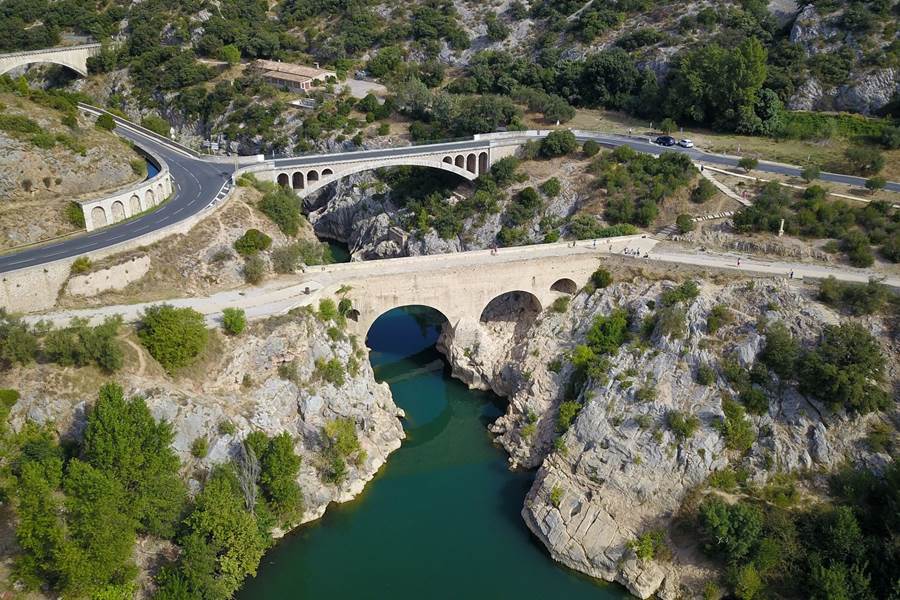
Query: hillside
{"points": [[50, 156]]}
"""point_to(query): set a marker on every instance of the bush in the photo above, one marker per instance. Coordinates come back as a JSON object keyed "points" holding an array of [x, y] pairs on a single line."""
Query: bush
{"points": [[82, 264], [685, 292], [561, 304], [855, 298], [79, 344], [328, 310], [590, 148], [706, 375], [556, 495], [685, 223], [568, 410], [175, 337], [864, 160], [283, 207], [254, 270], [780, 352], [845, 370], [703, 192], [650, 545], [718, 317], [735, 428], [601, 278], [157, 125], [331, 371], [683, 426], [251, 242], [74, 215], [105, 121], [200, 447], [551, 187], [876, 183], [234, 320], [558, 143], [18, 343], [748, 163], [810, 173]]}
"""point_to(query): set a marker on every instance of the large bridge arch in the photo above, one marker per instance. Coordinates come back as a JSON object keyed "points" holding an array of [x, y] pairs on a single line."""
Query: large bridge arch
{"points": [[71, 57], [430, 317]]}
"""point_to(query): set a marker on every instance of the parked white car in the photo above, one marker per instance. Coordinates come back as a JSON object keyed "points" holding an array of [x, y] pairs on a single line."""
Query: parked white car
{"points": [[686, 143]]}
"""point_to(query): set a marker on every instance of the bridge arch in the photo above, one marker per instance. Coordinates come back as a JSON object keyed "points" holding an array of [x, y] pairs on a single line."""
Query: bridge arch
{"points": [[565, 285], [448, 160], [284, 180], [483, 163], [135, 204], [98, 216], [312, 176], [70, 65], [297, 180], [149, 198], [159, 191], [461, 161], [326, 173], [425, 316], [118, 211], [517, 306], [471, 163]]}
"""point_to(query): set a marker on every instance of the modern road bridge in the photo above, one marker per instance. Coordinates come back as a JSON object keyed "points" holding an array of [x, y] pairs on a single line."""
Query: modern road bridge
{"points": [[200, 181], [73, 57]]}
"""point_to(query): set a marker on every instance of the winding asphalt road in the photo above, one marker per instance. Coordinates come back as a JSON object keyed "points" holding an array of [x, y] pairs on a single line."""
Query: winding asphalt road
{"points": [[199, 182]]}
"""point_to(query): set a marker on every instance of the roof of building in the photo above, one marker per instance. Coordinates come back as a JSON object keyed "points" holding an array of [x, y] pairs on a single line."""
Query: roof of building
{"points": [[286, 76], [284, 70]]}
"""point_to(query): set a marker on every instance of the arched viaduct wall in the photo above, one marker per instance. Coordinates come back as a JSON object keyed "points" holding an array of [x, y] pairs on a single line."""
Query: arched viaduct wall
{"points": [[73, 57], [130, 201], [461, 293]]}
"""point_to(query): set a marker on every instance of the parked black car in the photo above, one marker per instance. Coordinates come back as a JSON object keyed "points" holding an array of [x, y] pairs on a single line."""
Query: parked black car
{"points": [[666, 140]]}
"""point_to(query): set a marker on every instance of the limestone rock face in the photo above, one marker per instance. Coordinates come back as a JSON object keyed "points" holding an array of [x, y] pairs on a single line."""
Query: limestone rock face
{"points": [[619, 470], [244, 390]]}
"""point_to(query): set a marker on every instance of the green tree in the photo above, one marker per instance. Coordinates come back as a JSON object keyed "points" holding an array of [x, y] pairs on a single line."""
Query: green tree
{"points": [[234, 320], [876, 183], [18, 343], [590, 148], [781, 351], [279, 466], [864, 160], [608, 333], [685, 223], [748, 163], [668, 126], [601, 278], [105, 121], [558, 143], [175, 337], [703, 192], [252, 242], [230, 54], [810, 173], [845, 370], [124, 441], [283, 207]]}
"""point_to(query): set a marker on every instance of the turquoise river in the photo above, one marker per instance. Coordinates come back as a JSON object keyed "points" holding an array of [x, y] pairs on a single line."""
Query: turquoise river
{"points": [[442, 518]]}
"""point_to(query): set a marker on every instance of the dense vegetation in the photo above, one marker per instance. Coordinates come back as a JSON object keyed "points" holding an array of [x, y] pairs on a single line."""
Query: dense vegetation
{"points": [[772, 544], [810, 214]]}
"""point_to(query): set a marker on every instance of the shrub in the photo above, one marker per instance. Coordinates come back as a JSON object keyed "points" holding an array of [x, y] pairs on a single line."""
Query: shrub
{"points": [[601, 278], [331, 371], [735, 428], [79, 344], [558, 143], [18, 343], [556, 495], [283, 207], [568, 410], [645, 393], [845, 370], [551, 187], [685, 292], [718, 317], [748, 163], [667, 126], [703, 192], [286, 259], [105, 121], [590, 148], [855, 298], [864, 160], [175, 337], [649, 545], [683, 426], [74, 215], [252, 242], [254, 269], [873, 184], [706, 375], [607, 333], [561, 304], [234, 320], [328, 310], [781, 351], [685, 223], [82, 264], [157, 125], [200, 447], [810, 173]]}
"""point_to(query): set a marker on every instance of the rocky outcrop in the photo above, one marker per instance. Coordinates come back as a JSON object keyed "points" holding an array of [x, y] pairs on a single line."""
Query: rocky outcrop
{"points": [[619, 470], [264, 380]]}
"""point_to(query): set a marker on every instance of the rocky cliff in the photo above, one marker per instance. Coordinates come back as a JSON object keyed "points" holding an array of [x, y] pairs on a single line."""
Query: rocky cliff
{"points": [[264, 380], [619, 470]]}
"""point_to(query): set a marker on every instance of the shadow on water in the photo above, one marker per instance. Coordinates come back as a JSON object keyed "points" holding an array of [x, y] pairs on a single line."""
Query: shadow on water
{"points": [[442, 518]]}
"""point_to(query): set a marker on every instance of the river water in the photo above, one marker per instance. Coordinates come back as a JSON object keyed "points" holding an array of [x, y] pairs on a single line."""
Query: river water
{"points": [[441, 520]]}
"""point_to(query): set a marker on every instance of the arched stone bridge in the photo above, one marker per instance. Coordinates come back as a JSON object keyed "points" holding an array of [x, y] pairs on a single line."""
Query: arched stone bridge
{"points": [[462, 286], [73, 57], [307, 174]]}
